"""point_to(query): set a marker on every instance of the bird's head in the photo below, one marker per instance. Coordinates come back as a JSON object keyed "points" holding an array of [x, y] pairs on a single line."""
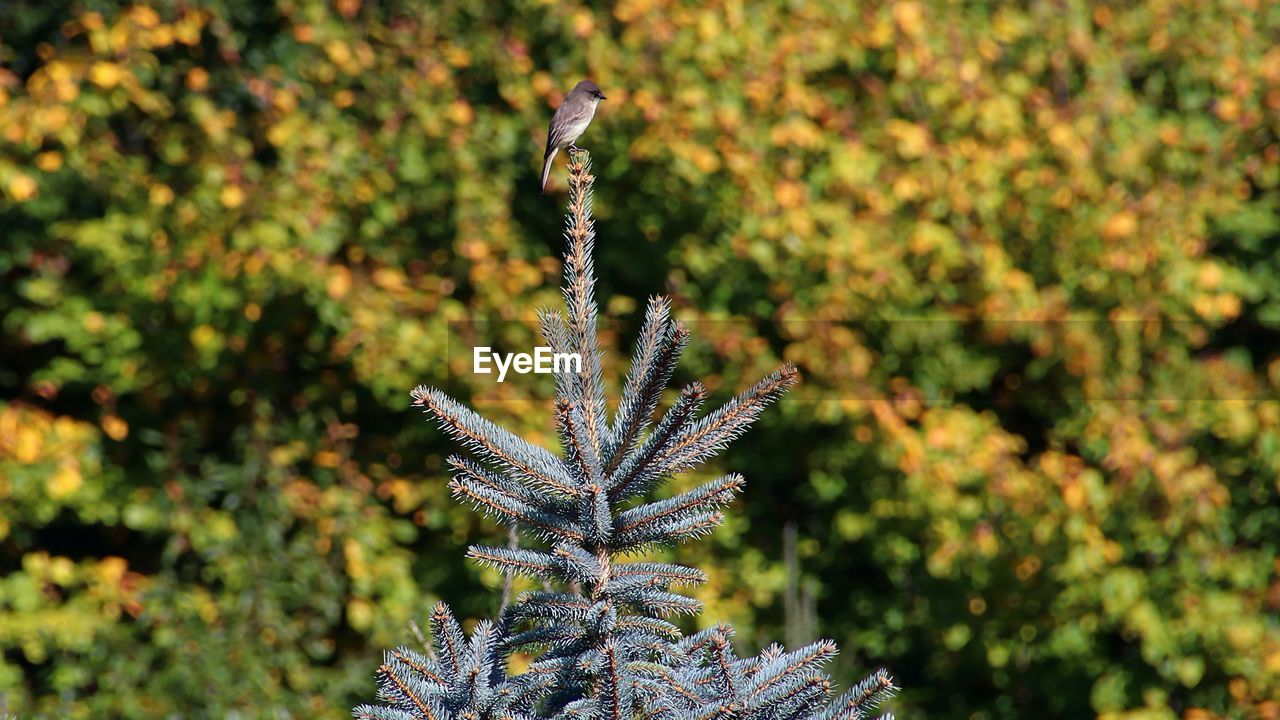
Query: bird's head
{"points": [[590, 89]]}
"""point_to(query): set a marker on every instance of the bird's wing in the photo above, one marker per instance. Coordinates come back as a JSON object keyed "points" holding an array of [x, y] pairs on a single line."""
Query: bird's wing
{"points": [[564, 123]]}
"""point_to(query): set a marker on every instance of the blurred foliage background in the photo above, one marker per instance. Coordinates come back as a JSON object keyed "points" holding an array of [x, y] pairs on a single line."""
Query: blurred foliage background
{"points": [[1024, 254]]}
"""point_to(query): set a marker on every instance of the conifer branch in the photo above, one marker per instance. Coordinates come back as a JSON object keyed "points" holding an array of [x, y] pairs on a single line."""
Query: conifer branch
{"points": [[863, 698], [580, 453], [634, 473], [493, 442], [604, 648], [709, 436], [661, 343]]}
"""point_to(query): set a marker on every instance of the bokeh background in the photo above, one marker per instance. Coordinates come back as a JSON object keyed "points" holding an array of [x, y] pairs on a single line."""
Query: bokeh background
{"points": [[1025, 256]]}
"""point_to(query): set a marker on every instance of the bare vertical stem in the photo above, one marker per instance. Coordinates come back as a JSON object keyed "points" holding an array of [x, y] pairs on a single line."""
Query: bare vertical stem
{"points": [[579, 293], [513, 542], [791, 602]]}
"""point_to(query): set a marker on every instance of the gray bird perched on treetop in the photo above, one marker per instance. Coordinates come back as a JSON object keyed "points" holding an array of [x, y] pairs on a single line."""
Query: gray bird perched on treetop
{"points": [[570, 121]]}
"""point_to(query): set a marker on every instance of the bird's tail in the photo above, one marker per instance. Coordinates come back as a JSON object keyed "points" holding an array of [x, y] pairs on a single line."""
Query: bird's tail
{"points": [[546, 166]]}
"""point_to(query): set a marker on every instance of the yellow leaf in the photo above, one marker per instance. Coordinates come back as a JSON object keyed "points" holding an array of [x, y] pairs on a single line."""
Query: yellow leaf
{"points": [[62, 571], [29, 445], [458, 57], [112, 569], [144, 16], [986, 540], [704, 159], [105, 75], [906, 187], [1228, 109], [881, 33], [338, 52], [279, 133], [1204, 305], [1272, 662], [161, 37], [360, 614], [1073, 495], [1209, 276], [542, 83], [65, 481], [339, 282], [22, 188], [1227, 305], [1061, 134], [788, 193], [584, 25], [631, 10], [909, 16], [204, 337], [1121, 225], [49, 161], [115, 428], [326, 459], [460, 112], [912, 139], [94, 322], [197, 79], [389, 278], [161, 194], [231, 196], [438, 75], [187, 31]]}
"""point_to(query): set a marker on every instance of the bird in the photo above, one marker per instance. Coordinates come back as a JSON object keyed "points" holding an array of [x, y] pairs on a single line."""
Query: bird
{"points": [[570, 121]]}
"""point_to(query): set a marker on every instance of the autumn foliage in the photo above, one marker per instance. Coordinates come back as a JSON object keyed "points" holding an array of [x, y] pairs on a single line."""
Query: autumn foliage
{"points": [[1024, 257]]}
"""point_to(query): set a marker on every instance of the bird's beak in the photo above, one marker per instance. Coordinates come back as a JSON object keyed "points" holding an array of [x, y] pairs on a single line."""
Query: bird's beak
{"points": [[602, 97]]}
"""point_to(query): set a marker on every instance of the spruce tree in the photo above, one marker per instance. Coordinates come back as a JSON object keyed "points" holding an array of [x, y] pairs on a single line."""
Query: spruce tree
{"points": [[604, 647]]}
